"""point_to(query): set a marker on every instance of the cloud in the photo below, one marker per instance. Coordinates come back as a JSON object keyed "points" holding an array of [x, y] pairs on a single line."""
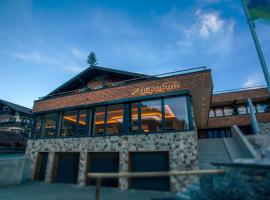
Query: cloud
{"points": [[253, 80], [33, 57], [78, 53], [74, 68]]}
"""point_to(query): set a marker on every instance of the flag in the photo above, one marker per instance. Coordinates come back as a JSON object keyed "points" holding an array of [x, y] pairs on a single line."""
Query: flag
{"points": [[258, 9]]}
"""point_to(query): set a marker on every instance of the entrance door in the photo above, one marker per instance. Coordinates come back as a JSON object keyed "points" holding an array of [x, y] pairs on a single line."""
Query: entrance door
{"points": [[103, 162], [147, 162], [67, 167], [41, 166]]}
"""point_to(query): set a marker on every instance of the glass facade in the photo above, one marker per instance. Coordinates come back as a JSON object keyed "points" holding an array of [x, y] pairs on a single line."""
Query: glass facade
{"points": [[148, 116], [176, 113], [151, 116], [49, 127], [69, 123]]}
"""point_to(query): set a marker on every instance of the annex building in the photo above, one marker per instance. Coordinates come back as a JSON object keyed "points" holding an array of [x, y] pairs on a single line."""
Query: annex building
{"points": [[107, 120]]}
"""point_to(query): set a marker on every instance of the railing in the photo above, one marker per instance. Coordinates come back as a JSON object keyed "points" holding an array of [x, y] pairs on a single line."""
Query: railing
{"points": [[99, 176], [12, 139], [240, 89], [150, 77], [16, 124]]}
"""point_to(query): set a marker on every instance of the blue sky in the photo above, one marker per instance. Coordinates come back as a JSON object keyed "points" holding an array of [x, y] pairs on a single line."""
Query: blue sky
{"points": [[45, 43]]}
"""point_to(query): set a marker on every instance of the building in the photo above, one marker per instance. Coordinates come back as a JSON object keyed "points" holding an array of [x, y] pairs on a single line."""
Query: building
{"points": [[106, 120], [15, 123]]}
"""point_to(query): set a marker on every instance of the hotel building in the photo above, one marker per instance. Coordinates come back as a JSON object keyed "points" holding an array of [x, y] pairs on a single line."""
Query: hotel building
{"points": [[107, 120]]}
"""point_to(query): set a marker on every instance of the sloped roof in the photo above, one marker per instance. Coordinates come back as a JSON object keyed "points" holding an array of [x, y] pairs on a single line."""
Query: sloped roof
{"points": [[17, 107], [87, 72]]}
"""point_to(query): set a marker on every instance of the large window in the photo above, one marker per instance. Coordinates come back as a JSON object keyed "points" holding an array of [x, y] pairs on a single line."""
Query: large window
{"points": [[69, 123], [99, 121], [134, 117], [151, 115], [49, 124], [115, 118], [83, 123], [176, 113], [38, 127]]}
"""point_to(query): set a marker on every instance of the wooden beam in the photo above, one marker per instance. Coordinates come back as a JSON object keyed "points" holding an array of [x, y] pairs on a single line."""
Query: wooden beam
{"points": [[154, 174]]}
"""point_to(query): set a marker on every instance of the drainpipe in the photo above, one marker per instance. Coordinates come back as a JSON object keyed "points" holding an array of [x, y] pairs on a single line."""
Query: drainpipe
{"points": [[254, 122]]}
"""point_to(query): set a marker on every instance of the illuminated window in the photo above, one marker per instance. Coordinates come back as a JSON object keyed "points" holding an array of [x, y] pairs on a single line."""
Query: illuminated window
{"points": [[82, 125], [261, 107], [49, 124], [134, 117], [114, 119], [151, 115], [99, 121], [69, 124], [212, 113], [38, 127], [176, 113]]}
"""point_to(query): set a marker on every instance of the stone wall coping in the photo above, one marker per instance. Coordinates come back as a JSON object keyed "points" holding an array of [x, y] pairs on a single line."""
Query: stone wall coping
{"points": [[247, 163]]}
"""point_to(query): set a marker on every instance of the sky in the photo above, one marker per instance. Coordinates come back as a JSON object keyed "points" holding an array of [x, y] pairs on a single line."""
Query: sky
{"points": [[45, 43]]}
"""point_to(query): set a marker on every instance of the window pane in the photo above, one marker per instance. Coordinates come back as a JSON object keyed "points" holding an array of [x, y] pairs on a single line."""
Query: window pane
{"points": [[211, 113], [134, 117], [114, 119], [99, 121], [49, 124], [69, 124], [219, 112], [248, 109], [261, 108], [151, 115], [82, 123], [242, 110], [228, 111], [37, 132], [176, 113]]}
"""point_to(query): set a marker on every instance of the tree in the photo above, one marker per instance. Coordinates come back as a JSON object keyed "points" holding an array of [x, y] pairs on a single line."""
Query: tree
{"points": [[92, 60]]}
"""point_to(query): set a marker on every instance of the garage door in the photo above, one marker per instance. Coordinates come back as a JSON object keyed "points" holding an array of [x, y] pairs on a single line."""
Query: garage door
{"points": [[103, 162], [41, 166], [67, 167], [147, 162]]}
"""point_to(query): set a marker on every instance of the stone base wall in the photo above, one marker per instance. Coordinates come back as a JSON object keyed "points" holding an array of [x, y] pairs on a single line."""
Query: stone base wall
{"points": [[182, 148]]}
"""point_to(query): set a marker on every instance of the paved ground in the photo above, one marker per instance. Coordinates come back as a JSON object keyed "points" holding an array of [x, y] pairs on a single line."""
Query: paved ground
{"points": [[57, 191]]}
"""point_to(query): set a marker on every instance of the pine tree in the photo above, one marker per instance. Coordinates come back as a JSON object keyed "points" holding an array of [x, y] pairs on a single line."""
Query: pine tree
{"points": [[92, 60]]}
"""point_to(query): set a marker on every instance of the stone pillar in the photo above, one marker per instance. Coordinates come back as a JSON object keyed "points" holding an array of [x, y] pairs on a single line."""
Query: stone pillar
{"points": [[82, 168], [49, 168], [123, 167]]}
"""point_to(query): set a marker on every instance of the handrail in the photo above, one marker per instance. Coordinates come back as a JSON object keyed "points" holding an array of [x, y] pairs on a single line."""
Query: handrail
{"points": [[240, 89], [99, 176], [178, 72]]}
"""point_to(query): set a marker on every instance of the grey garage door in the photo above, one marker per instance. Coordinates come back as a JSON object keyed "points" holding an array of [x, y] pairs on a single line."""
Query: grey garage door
{"points": [[103, 162], [147, 162], [67, 167]]}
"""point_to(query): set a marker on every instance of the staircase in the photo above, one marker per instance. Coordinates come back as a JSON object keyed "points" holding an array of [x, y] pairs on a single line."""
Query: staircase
{"points": [[213, 150]]}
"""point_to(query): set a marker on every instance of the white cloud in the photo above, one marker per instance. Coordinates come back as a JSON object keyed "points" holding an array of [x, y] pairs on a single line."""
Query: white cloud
{"points": [[33, 57], [253, 80], [78, 53], [74, 68]]}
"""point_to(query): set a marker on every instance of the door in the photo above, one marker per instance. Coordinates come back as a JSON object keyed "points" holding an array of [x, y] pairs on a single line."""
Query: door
{"points": [[66, 165], [149, 162], [41, 166], [103, 162]]}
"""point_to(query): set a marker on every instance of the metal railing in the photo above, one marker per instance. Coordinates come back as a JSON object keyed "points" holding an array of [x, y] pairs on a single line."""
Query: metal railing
{"points": [[100, 176], [119, 83], [239, 89]]}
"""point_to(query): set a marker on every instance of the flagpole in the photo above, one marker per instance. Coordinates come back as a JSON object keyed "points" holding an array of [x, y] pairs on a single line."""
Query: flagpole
{"points": [[258, 47]]}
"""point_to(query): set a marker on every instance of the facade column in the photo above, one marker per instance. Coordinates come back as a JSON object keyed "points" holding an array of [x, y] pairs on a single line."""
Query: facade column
{"points": [[82, 168], [254, 122], [123, 167], [49, 168]]}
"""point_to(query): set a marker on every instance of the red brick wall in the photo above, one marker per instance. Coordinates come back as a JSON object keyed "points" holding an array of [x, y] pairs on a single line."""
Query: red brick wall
{"points": [[198, 80], [242, 120], [241, 95]]}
